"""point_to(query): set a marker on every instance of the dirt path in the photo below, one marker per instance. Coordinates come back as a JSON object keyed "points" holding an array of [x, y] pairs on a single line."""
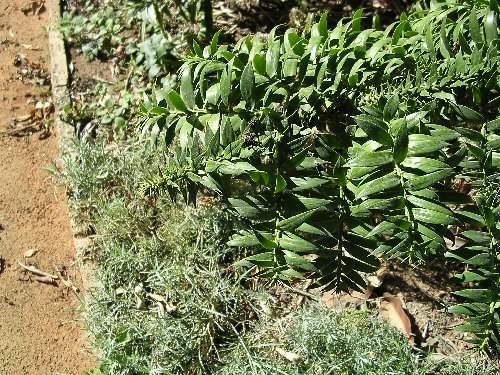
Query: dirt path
{"points": [[40, 331]]}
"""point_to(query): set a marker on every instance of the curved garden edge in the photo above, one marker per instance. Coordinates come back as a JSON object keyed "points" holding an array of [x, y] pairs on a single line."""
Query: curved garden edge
{"points": [[61, 97]]}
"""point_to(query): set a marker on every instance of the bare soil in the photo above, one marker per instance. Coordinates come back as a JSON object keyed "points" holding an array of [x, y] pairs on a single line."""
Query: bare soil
{"points": [[40, 327], [425, 295]]}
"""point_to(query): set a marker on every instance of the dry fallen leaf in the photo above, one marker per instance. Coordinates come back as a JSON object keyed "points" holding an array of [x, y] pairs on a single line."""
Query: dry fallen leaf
{"points": [[161, 309], [391, 309], [454, 245], [338, 301], [24, 118], [374, 281], [139, 302], [157, 297], [30, 46], [160, 300]]}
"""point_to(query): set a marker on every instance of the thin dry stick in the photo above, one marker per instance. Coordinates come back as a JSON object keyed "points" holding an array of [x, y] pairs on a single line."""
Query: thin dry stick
{"points": [[45, 280], [302, 292], [37, 272]]}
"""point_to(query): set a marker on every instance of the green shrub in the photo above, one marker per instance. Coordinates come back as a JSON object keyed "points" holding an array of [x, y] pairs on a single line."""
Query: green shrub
{"points": [[179, 254], [341, 146]]}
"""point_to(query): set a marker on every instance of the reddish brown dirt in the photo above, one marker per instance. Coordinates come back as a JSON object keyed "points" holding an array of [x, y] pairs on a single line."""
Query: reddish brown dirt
{"points": [[40, 328]]}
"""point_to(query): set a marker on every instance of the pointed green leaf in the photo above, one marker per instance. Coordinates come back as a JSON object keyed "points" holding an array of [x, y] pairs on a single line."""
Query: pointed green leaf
{"points": [[384, 183], [307, 183], [476, 236], [249, 207], [298, 261], [294, 222], [443, 133], [490, 27], [214, 43], [432, 217], [262, 259], [444, 45], [187, 93], [467, 113], [469, 309], [213, 94], [423, 144], [374, 128], [474, 27], [370, 159], [477, 295], [422, 182], [391, 107], [225, 87], [247, 239], [424, 164], [176, 102], [297, 244], [265, 242], [273, 58], [280, 184], [259, 64], [247, 83], [429, 204], [429, 42], [400, 137]]}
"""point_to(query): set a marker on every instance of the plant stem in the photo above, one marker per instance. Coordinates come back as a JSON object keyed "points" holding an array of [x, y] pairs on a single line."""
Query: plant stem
{"points": [[159, 18], [209, 20]]}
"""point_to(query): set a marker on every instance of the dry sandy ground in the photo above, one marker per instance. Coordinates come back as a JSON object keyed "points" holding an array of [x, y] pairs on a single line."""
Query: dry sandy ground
{"points": [[40, 328]]}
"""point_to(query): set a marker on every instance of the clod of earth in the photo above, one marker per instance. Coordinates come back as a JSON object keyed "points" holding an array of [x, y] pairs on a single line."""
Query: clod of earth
{"points": [[33, 8], [67, 282], [30, 253]]}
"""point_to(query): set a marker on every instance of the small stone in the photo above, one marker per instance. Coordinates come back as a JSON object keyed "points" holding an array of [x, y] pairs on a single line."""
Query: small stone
{"points": [[18, 60], [30, 252]]}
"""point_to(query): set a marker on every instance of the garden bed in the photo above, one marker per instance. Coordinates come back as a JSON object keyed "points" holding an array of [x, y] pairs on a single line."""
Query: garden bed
{"points": [[168, 298]]}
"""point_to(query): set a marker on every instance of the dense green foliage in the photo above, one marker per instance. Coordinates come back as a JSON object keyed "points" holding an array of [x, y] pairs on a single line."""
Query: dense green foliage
{"points": [[166, 301], [336, 148], [481, 254], [339, 147], [163, 301]]}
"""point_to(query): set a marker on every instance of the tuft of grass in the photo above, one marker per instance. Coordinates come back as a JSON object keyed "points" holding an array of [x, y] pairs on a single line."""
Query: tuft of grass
{"points": [[316, 340], [466, 364], [165, 299]]}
